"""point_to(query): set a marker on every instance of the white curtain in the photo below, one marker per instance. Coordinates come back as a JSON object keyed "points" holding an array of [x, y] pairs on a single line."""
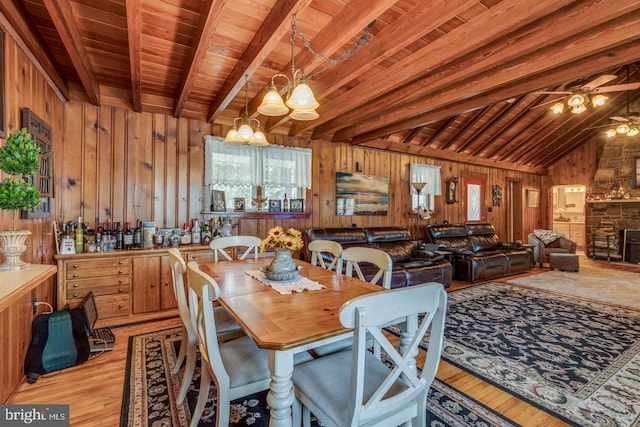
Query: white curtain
{"points": [[431, 176], [248, 165]]}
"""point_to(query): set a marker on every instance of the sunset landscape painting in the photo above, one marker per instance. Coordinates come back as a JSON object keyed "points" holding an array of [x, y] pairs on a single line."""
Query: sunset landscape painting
{"points": [[358, 194]]}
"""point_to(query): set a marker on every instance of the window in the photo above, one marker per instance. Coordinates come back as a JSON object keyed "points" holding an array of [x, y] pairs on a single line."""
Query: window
{"points": [[429, 175], [238, 170]]}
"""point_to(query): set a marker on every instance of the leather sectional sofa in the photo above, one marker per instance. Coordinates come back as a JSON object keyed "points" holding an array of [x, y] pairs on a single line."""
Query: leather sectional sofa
{"points": [[477, 253], [411, 266]]}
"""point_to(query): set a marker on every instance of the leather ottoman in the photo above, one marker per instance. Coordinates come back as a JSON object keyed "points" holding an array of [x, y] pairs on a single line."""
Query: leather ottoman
{"points": [[565, 262]]}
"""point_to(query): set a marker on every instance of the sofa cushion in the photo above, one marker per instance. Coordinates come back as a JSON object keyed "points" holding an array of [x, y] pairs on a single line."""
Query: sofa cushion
{"points": [[479, 229], [483, 242], [398, 251]]}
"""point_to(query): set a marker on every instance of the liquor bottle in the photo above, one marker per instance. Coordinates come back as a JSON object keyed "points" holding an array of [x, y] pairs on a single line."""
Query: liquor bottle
{"points": [[79, 237], [206, 234], [119, 237], [195, 233], [128, 237], [185, 237], [285, 204], [137, 235]]}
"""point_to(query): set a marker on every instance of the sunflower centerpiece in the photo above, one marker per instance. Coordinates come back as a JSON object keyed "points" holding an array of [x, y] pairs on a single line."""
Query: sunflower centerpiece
{"points": [[284, 242]]}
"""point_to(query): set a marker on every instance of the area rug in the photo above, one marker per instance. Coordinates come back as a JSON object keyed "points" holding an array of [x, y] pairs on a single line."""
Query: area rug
{"points": [[600, 284], [150, 390], [578, 360]]}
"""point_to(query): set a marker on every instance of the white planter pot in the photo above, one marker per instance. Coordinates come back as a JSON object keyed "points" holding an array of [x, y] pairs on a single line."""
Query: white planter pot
{"points": [[12, 247]]}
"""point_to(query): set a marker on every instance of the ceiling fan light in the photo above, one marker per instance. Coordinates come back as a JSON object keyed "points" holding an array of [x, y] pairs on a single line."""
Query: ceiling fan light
{"points": [[579, 109], [272, 104], [622, 129], [302, 98], [633, 131], [576, 100], [610, 133], [557, 108], [304, 114], [599, 100]]}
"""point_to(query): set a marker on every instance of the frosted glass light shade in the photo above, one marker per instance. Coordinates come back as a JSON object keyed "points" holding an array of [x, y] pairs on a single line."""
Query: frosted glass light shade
{"points": [[599, 100], [245, 133], [576, 100], [232, 137], [610, 133], [272, 104], [304, 114], [259, 139], [557, 108], [633, 132], [302, 98], [579, 109], [623, 128]]}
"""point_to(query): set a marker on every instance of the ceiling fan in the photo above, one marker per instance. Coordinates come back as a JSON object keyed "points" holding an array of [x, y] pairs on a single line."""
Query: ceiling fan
{"points": [[579, 96]]}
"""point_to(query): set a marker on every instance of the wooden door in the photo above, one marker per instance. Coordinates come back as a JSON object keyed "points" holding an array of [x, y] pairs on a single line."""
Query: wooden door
{"points": [[146, 284], [167, 296]]}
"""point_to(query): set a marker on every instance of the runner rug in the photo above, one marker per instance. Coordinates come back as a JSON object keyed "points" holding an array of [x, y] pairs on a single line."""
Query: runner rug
{"points": [[150, 390], [578, 360]]}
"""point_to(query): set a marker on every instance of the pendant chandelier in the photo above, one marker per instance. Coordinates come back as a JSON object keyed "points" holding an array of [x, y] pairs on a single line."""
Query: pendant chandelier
{"points": [[300, 98], [245, 133]]}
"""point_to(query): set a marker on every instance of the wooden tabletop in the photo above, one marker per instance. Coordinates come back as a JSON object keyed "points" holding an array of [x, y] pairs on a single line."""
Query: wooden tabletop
{"points": [[280, 322]]}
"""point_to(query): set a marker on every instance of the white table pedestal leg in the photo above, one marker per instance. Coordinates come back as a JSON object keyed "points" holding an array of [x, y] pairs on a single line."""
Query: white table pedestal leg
{"points": [[280, 397], [408, 331]]}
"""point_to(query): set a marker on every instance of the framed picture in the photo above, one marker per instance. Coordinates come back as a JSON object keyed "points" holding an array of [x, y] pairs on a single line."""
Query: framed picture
{"points": [[533, 197], [636, 172], [217, 201], [275, 205], [238, 204], [296, 205], [497, 195]]}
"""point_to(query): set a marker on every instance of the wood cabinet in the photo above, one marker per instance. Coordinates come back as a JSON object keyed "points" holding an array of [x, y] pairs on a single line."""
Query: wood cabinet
{"points": [[129, 286], [574, 231], [20, 288]]}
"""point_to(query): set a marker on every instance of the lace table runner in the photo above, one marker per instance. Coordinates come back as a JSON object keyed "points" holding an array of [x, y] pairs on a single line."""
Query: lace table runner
{"points": [[285, 287]]}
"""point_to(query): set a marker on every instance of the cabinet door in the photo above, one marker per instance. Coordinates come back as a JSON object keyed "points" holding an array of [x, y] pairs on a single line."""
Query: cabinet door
{"points": [[146, 284], [167, 297]]}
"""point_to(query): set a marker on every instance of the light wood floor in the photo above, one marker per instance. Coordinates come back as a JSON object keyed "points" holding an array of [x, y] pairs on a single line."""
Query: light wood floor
{"points": [[94, 389]]}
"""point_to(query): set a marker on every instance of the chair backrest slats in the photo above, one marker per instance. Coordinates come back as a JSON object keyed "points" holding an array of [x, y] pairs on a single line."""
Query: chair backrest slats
{"points": [[251, 243], [354, 255], [317, 247]]}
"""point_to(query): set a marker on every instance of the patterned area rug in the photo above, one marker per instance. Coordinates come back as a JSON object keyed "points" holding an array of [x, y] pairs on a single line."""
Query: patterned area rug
{"points": [[150, 392], [578, 360]]}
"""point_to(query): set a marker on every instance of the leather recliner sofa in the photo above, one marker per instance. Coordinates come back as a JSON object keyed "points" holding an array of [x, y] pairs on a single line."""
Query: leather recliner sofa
{"points": [[477, 253], [411, 266]]}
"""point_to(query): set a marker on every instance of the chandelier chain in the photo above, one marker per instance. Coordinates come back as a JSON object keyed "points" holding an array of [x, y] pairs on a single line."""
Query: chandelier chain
{"points": [[362, 41]]}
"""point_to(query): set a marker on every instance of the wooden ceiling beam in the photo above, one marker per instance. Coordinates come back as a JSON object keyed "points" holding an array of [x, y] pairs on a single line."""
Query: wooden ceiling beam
{"points": [[411, 135], [493, 65], [505, 109], [210, 13], [478, 115], [425, 69], [134, 35], [491, 91], [15, 20], [273, 28], [436, 153], [64, 21], [441, 130]]}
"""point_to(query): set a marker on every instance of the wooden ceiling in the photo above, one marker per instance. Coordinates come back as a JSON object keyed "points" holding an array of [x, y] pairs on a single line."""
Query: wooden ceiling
{"points": [[449, 79]]}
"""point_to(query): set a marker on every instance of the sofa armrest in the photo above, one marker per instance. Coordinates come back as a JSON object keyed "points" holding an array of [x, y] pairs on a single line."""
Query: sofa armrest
{"points": [[510, 245], [567, 244], [538, 247]]}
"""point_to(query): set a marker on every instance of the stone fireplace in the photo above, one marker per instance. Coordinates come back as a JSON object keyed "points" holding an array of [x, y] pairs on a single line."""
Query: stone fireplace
{"points": [[615, 216]]}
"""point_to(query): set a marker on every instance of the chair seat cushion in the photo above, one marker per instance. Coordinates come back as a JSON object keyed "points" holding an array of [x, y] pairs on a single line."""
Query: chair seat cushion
{"points": [[224, 323], [325, 382], [244, 361]]}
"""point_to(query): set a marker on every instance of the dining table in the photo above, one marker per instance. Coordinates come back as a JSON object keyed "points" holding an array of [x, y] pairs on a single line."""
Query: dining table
{"points": [[285, 324]]}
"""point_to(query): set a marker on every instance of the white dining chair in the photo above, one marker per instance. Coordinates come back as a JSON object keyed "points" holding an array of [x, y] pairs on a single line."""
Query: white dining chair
{"points": [[237, 367], [251, 243], [227, 327], [318, 247], [353, 256], [363, 389]]}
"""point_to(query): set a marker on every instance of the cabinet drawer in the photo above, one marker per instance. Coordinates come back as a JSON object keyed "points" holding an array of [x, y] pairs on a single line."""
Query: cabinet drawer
{"points": [[120, 270], [87, 264], [203, 256], [115, 305], [110, 285]]}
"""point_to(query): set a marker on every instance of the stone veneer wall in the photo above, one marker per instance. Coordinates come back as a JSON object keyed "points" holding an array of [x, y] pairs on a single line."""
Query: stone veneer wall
{"points": [[615, 165]]}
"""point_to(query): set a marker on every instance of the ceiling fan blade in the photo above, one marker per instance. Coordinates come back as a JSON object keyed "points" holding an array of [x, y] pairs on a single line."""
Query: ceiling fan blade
{"points": [[616, 88], [620, 119], [598, 81], [549, 92]]}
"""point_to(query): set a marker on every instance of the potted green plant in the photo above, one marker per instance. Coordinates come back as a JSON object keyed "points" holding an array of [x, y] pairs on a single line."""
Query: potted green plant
{"points": [[19, 156]]}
